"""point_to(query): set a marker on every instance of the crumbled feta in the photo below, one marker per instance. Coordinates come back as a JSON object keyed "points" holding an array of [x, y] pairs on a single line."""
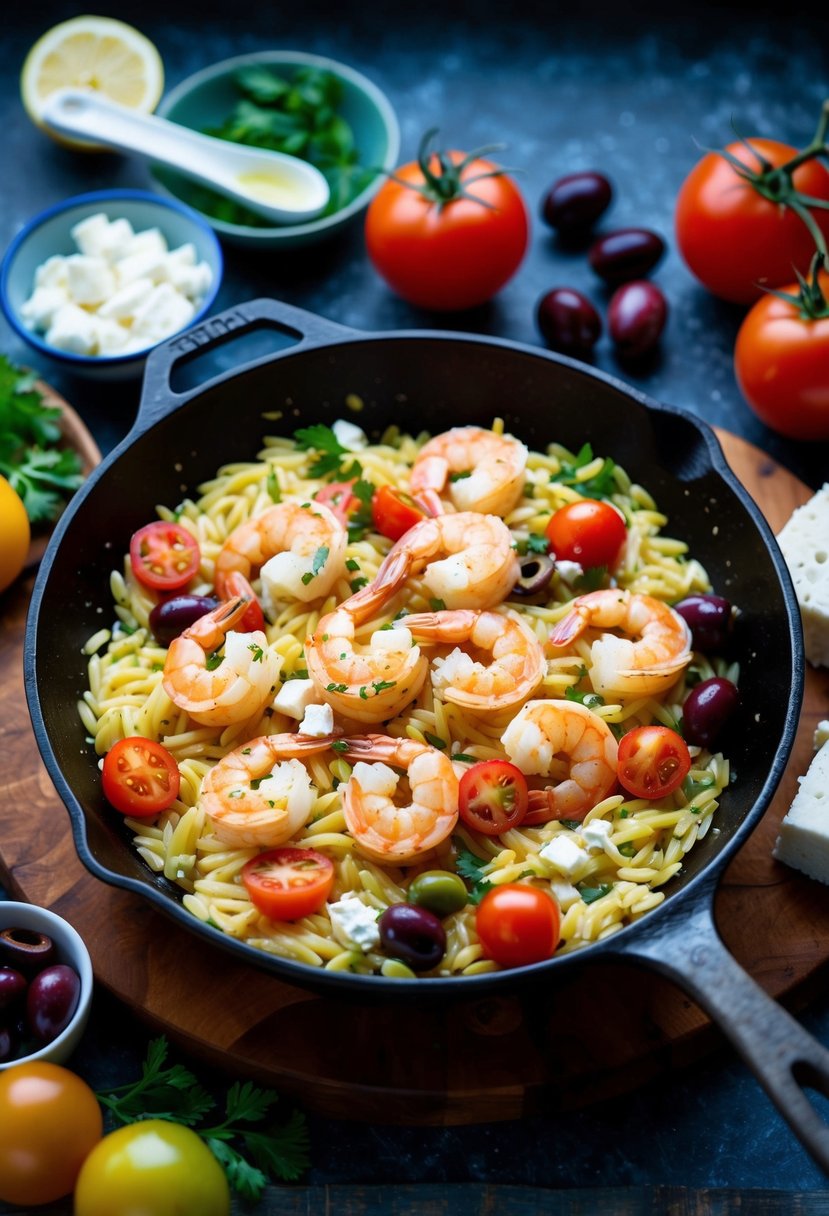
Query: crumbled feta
{"points": [[564, 892], [821, 734], [349, 436], [804, 542], [596, 833], [568, 572], [294, 697], [353, 923], [120, 277], [318, 721], [565, 855], [803, 842]]}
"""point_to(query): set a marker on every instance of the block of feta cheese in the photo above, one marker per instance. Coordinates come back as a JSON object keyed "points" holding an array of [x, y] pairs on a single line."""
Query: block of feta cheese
{"points": [[294, 697], [39, 310], [89, 279], [318, 721], [804, 542], [73, 330], [565, 855], [803, 842], [354, 923]]}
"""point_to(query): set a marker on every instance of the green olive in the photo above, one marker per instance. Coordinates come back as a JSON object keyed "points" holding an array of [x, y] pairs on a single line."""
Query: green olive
{"points": [[440, 891]]}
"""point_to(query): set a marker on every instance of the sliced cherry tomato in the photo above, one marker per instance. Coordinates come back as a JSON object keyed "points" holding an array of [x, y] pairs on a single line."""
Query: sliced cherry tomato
{"points": [[493, 797], [653, 761], [164, 556], [288, 883], [337, 496], [518, 924], [140, 777], [394, 512], [588, 532]]}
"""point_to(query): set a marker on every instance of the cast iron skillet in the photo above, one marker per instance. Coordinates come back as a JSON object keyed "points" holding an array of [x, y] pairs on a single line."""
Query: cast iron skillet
{"points": [[433, 380]]}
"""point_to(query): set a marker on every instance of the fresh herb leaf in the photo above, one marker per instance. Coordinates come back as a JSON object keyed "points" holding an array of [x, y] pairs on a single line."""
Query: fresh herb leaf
{"points": [[360, 520], [591, 894], [321, 439], [628, 849], [437, 605], [601, 485], [463, 758], [572, 824], [533, 543], [214, 660], [434, 740], [469, 867], [273, 487], [460, 476], [589, 699], [593, 579]]}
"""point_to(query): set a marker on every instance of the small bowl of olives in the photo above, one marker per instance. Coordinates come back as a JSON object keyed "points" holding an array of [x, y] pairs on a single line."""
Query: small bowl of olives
{"points": [[45, 985]]}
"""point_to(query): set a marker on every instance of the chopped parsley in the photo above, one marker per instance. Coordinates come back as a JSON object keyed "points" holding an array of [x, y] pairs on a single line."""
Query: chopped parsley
{"points": [[257, 652], [469, 867], [628, 849], [322, 440], [463, 758], [437, 605], [591, 894], [339, 745], [351, 564], [572, 824], [588, 699], [336, 688], [434, 740], [214, 660], [601, 485], [533, 543], [319, 560], [273, 487], [460, 476]]}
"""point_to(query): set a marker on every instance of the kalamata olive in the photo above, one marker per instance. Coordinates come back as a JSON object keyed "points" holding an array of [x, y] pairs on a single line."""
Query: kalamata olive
{"points": [[12, 987], [568, 321], [636, 316], [52, 1000], [441, 891], [707, 709], [536, 573], [574, 202], [414, 935], [627, 253], [709, 619], [27, 950], [171, 617]]}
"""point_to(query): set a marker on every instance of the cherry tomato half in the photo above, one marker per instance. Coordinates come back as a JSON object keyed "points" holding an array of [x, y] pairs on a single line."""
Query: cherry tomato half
{"points": [[164, 556], [732, 238], [337, 496], [588, 532], [493, 797], [653, 761], [140, 777], [50, 1122], [152, 1166], [518, 924], [288, 883], [394, 512], [253, 617]]}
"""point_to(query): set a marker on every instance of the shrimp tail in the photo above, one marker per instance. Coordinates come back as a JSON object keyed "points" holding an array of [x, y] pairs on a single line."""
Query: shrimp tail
{"points": [[569, 627], [209, 630]]}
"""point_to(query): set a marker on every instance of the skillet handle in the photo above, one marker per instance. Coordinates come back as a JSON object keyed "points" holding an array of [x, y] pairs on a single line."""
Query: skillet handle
{"points": [[158, 396], [787, 1061]]}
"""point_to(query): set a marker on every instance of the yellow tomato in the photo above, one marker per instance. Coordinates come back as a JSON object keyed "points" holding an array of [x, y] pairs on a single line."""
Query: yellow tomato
{"points": [[15, 534]]}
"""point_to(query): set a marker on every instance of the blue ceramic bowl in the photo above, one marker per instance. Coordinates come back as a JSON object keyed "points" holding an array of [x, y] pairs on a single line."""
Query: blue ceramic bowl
{"points": [[49, 233], [205, 100]]}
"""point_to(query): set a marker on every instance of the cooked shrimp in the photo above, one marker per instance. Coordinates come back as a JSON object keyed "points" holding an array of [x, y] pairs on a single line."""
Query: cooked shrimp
{"points": [[260, 794], [501, 664], [234, 689], [383, 831], [491, 469], [543, 732], [298, 548], [643, 667], [374, 683], [467, 560]]}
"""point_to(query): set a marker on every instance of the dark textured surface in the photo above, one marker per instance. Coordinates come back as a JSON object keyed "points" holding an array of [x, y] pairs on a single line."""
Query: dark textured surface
{"points": [[623, 88]]}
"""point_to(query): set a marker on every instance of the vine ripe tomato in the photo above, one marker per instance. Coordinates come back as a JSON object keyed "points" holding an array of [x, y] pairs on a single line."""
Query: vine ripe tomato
{"points": [[587, 531], [653, 761], [735, 237], [50, 1121], [518, 924], [140, 777], [781, 361], [447, 230]]}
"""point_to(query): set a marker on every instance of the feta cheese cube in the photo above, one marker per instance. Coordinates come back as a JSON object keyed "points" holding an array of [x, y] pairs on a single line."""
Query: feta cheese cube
{"points": [[99, 236], [73, 330], [565, 855], [89, 279], [596, 833], [146, 264], [564, 892], [163, 312], [318, 721], [804, 542], [394, 640], [52, 273], [39, 310], [123, 304], [112, 337], [803, 842], [349, 436], [294, 697], [149, 241], [192, 281], [353, 923]]}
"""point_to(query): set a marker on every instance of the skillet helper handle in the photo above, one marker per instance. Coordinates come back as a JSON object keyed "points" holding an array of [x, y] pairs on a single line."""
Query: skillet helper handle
{"points": [[158, 398], [784, 1057]]}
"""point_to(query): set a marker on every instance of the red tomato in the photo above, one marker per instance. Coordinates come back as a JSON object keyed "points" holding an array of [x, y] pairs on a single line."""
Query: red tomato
{"points": [[493, 797], [394, 512], [288, 883], [653, 761], [338, 498], [733, 238], [518, 924], [164, 556], [589, 532], [781, 360], [140, 777], [253, 617], [445, 232]]}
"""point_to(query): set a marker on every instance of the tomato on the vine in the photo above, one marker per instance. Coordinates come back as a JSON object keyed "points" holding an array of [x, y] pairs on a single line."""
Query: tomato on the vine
{"points": [[518, 924], [781, 359], [288, 883], [164, 556], [653, 761], [735, 229], [50, 1122], [140, 777], [394, 512], [588, 532], [447, 230], [493, 797]]}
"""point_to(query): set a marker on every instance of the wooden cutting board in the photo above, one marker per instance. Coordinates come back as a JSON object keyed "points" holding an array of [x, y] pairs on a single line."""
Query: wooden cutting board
{"points": [[473, 1061]]}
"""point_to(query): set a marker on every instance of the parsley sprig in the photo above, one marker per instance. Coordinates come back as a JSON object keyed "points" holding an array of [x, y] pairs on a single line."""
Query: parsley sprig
{"points": [[469, 866], [601, 485], [249, 1157]]}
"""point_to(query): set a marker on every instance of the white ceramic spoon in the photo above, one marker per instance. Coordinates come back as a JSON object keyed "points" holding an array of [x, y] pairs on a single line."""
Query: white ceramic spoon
{"points": [[281, 188]]}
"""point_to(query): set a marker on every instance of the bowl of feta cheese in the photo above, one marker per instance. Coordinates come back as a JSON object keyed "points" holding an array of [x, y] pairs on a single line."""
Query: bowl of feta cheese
{"points": [[98, 280]]}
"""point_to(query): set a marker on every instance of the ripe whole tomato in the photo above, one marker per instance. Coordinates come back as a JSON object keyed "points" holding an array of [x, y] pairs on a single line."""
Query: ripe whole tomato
{"points": [[447, 230], [735, 240]]}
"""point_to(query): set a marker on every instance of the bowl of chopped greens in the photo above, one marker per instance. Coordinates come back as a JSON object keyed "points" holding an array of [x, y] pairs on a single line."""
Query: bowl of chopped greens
{"points": [[288, 101]]}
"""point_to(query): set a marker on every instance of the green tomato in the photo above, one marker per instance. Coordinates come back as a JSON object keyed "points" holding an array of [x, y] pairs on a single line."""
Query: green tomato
{"points": [[152, 1168], [441, 891]]}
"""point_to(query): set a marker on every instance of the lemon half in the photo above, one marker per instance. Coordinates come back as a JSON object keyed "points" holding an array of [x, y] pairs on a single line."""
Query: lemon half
{"points": [[98, 53]]}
